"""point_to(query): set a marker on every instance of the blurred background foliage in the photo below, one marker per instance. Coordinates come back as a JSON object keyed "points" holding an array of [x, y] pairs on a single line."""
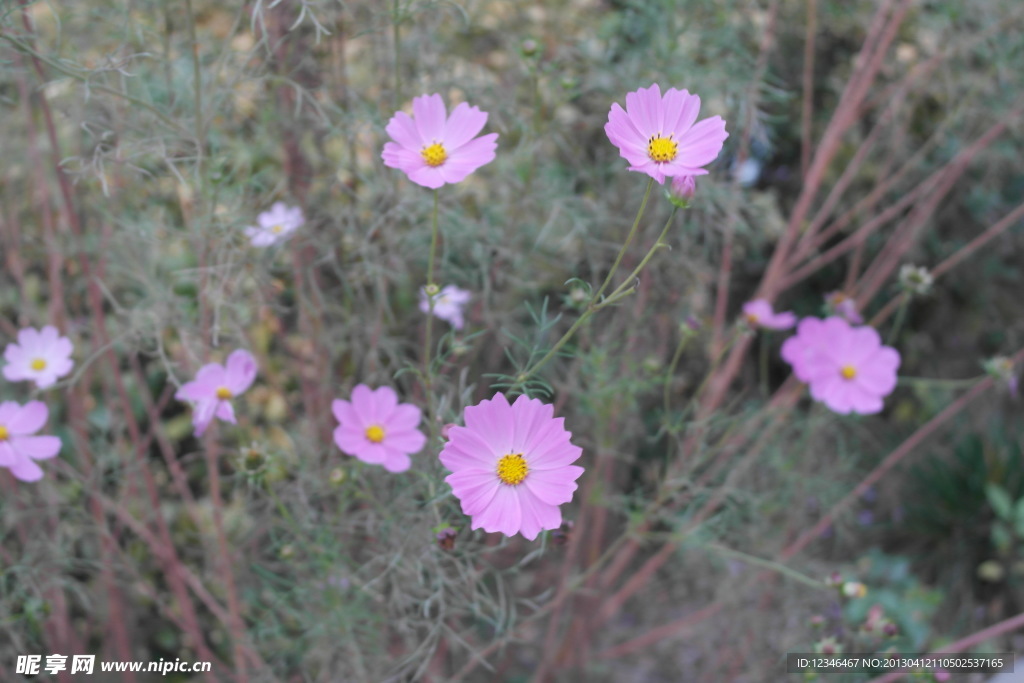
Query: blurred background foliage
{"points": [[338, 570]]}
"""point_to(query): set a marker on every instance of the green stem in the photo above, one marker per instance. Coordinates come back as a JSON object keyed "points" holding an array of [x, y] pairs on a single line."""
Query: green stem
{"points": [[395, 18], [428, 338], [683, 343], [658, 244], [901, 314], [592, 306], [197, 88], [625, 246], [768, 564]]}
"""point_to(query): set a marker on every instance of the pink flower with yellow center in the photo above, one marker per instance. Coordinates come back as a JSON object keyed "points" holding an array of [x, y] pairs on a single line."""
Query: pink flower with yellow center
{"points": [[512, 466], [657, 134], [215, 385], [847, 368], [377, 429], [433, 148], [18, 448], [759, 313], [42, 356]]}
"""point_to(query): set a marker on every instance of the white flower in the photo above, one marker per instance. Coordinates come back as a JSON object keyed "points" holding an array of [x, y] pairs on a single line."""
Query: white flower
{"points": [[275, 225], [448, 304]]}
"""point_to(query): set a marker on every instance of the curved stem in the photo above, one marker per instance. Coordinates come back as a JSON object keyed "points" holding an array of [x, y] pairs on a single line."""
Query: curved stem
{"points": [[625, 245], [593, 306]]}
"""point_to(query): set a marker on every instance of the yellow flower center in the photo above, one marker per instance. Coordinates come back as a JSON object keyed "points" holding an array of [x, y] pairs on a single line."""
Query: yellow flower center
{"points": [[751, 319], [848, 372], [375, 433], [512, 468], [435, 154], [661, 149], [3, 433], [277, 229], [223, 393], [38, 364]]}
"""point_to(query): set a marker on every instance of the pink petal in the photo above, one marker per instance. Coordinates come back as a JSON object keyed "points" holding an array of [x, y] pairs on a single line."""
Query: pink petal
{"points": [[36, 447], [642, 107], [681, 109], [382, 405], [349, 439], [554, 486], [397, 462], [468, 158], [7, 455], [26, 469], [202, 415], [29, 418], [344, 413], [226, 412], [530, 415], [460, 453], [429, 115], [404, 417], [427, 176], [362, 399], [493, 420], [537, 515], [240, 371], [505, 512], [702, 143], [407, 441], [15, 373], [373, 453], [14, 354], [29, 340], [403, 130], [405, 160], [8, 409], [463, 125]]}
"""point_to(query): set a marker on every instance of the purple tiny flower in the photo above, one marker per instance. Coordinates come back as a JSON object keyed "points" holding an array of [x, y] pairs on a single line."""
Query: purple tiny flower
{"points": [[214, 387], [275, 225], [759, 313], [18, 448]]}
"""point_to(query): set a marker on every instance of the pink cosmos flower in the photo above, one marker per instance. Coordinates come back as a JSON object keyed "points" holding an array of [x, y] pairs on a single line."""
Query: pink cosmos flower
{"points": [[657, 135], [433, 148], [19, 450], [844, 306], [377, 429], [448, 304], [214, 387], [274, 225], [759, 313], [42, 356], [511, 466], [846, 367]]}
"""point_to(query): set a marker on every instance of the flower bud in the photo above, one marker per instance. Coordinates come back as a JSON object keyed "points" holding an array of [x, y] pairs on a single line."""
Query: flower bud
{"points": [[681, 190]]}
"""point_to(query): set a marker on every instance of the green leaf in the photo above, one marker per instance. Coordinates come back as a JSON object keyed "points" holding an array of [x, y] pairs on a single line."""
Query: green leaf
{"points": [[1000, 501]]}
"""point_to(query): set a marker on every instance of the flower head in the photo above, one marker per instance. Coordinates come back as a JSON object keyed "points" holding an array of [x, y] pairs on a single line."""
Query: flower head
{"points": [[42, 356], [846, 367], [377, 429], [433, 148], [759, 313], [839, 303], [657, 135], [448, 304], [18, 449], [915, 279], [511, 466], [681, 190], [214, 387], [275, 225]]}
